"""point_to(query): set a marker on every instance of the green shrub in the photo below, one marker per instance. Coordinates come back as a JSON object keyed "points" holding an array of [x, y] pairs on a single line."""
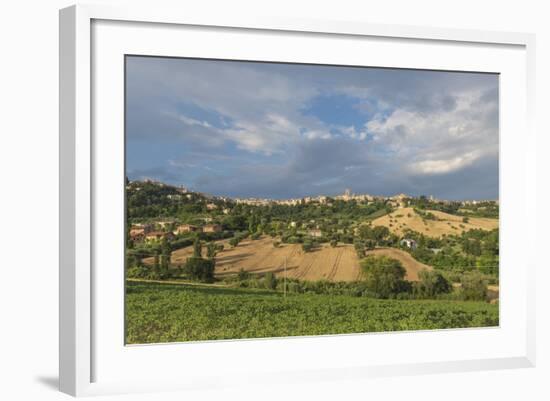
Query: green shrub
{"points": [[139, 271], [243, 275]]}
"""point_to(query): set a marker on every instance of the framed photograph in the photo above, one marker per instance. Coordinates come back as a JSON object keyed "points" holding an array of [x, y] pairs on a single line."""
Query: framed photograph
{"points": [[289, 199]]}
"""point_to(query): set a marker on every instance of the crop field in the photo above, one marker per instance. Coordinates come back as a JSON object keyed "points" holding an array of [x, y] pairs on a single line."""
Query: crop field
{"points": [[260, 256], [157, 313], [445, 224], [324, 263]]}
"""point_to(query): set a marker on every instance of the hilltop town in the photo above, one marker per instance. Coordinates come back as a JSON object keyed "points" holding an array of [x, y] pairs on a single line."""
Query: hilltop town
{"points": [[399, 200]]}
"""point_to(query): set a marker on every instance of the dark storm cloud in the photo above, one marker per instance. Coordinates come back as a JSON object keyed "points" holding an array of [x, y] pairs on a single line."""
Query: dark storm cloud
{"points": [[271, 130]]}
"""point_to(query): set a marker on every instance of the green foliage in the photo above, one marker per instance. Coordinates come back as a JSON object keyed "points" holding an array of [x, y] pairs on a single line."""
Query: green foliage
{"points": [[384, 276], [211, 250], [431, 284], [359, 248], [170, 313], [308, 245], [199, 269], [334, 243], [425, 215], [197, 248], [474, 287], [270, 281], [243, 275], [488, 263]]}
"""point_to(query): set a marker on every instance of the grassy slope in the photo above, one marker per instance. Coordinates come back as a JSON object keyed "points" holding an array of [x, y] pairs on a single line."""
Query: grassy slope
{"points": [[168, 313], [407, 218]]}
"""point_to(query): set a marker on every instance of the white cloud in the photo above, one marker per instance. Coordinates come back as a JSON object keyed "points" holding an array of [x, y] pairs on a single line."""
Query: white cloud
{"points": [[446, 165], [440, 141], [422, 124]]}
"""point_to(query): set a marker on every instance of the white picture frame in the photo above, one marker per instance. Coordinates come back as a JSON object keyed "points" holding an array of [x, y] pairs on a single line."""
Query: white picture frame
{"points": [[84, 322]]}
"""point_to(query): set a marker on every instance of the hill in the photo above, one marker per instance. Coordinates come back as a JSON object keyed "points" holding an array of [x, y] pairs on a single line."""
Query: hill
{"points": [[324, 263], [432, 223]]}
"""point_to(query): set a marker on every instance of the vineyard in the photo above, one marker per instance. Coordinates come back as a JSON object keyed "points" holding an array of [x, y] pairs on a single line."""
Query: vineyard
{"points": [[157, 313]]}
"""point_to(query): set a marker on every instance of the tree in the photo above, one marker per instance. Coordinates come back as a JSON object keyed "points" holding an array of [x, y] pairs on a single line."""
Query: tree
{"points": [[270, 281], [472, 246], [307, 246], [487, 263], [199, 269], [197, 248], [359, 248], [156, 265], [474, 288], [211, 250], [432, 283], [165, 256], [384, 275], [380, 232]]}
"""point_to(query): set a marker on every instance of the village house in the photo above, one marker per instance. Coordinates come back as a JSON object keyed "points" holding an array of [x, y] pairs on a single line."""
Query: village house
{"points": [[137, 234], [409, 243], [212, 228], [211, 206], [138, 231], [145, 227], [155, 236], [315, 233], [186, 228]]}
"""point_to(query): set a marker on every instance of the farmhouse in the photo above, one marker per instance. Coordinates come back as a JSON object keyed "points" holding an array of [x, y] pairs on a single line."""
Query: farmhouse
{"points": [[154, 236], [409, 243], [145, 228], [137, 234], [212, 228], [186, 228], [315, 233]]}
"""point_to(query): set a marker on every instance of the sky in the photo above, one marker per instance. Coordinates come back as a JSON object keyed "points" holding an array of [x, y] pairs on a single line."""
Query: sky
{"points": [[279, 131]]}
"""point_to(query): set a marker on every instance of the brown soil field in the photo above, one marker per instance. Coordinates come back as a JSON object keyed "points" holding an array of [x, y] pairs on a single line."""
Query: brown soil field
{"points": [[260, 256], [409, 263], [406, 218]]}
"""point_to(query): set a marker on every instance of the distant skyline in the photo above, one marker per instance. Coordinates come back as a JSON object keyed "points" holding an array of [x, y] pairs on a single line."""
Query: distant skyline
{"points": [[280, 131]]}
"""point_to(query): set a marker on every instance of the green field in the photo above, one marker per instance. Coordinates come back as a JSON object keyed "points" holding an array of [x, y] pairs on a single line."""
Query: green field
{"points": [[158, 313]]}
